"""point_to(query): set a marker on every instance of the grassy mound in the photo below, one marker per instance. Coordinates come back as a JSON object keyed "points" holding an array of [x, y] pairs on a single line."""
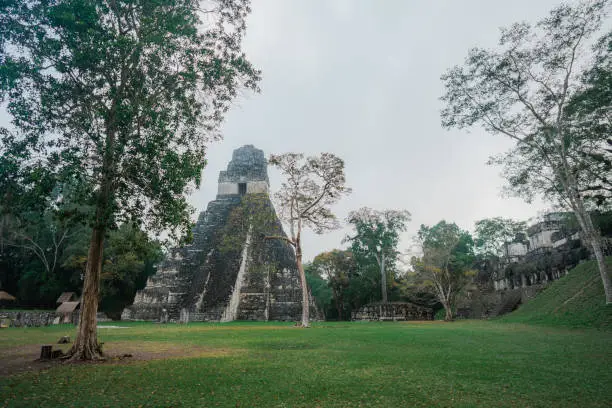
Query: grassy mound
{"points": [[576, 300]]}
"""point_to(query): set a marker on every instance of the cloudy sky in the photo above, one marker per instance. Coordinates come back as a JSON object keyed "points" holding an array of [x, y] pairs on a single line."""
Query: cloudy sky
{"points": [[360, 79]]}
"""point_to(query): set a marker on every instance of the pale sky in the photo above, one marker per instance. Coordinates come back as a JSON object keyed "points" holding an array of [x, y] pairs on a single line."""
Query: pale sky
{"points": [[361, 79]]}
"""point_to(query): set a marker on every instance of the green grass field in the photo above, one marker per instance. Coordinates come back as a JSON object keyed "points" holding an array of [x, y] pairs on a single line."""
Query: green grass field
{"points": [[562, 358], [461, 364]]}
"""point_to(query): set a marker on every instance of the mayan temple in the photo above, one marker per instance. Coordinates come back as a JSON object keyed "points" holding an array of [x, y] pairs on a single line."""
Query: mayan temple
{"points": [[204, 281]]}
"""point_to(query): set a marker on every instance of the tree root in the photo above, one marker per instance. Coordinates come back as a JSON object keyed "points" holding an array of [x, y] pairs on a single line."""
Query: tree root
{"points": [[85, 352]]}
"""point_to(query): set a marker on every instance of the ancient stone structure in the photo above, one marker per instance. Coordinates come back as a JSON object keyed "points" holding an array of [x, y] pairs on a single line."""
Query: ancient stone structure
{"points": [[209, 281], [395, 311]]}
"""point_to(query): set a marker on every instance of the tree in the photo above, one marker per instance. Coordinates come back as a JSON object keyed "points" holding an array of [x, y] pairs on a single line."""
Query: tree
{"points": [[445, 265], [521, 91], [590, 108], [126, 94], [312, 185], [493, 233], [319, 289], [336, 267], [129, 259], [377, 235]]}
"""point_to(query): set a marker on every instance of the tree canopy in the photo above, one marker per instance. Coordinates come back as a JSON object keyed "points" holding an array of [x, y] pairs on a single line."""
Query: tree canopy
{"points": [[445, 265], [522, 91], [377, 235]]}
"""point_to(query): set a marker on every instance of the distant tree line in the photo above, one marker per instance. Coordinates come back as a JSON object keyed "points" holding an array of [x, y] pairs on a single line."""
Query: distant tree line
{"points": [[44, 243]]}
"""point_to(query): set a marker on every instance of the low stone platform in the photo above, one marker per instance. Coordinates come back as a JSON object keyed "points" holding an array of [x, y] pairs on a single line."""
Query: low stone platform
{"points": [[396, 311]]}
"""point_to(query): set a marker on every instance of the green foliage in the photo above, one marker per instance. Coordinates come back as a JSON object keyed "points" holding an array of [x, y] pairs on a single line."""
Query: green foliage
{"points": [[463, 364], [575, 300], [587, 107], [445, 266], [319, 289], [493, 233], [126, 94], [377, 235], [130, 258], [254, 214], [338, 268]]}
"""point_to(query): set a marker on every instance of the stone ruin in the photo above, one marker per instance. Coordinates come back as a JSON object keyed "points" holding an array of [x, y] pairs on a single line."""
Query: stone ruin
{"points": [[205, 281], [395, 311]]}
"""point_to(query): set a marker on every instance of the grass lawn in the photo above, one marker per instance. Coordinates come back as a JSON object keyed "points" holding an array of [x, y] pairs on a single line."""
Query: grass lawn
{"points": [[576, 300], [461, 364]]}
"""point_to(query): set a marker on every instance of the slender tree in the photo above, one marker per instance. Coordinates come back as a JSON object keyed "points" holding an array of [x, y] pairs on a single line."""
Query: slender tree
{"points": [[336, 266], [311, 186], [377, 235], [124, 93], [445, 265], [522, 91]]}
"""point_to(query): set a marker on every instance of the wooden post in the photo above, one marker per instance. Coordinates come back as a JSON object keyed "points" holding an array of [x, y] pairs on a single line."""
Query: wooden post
{"points": [[45, 352]]}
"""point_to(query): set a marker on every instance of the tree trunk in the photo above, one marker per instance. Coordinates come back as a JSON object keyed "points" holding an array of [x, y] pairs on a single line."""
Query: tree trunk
{"points": [[305, 297], [449, 311], [86, 346], [383, 278], [603, 269], [593, 238], [334, 295]]}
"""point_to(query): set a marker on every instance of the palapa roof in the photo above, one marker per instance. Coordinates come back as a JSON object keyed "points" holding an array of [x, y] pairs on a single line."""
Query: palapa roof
{"points": [[66, 297], [67, 307], [6, 296]]}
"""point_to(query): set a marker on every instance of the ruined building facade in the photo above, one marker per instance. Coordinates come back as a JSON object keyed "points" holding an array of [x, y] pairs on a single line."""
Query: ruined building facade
{"points": [[226, 273]]}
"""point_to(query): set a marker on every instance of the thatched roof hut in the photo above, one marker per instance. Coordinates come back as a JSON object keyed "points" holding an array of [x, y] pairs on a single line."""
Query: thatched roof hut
{"points": [[5, 296], [67, 297], [67, 307]]}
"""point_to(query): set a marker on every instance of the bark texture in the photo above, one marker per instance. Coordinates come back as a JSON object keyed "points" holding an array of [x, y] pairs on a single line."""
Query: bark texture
{"points": [[86, 346], [305, 300]]}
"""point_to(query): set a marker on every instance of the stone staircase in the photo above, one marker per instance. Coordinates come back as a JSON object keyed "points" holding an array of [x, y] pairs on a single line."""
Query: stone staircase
{"points": [[511, 300]]}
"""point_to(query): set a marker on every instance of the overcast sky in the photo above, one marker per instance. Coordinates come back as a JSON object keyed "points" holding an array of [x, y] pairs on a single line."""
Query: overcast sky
{"points": [[361, 79]]}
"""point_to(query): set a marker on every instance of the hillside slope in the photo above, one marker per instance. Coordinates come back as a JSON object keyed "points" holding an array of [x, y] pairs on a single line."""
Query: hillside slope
{"points": [[576, 300]]}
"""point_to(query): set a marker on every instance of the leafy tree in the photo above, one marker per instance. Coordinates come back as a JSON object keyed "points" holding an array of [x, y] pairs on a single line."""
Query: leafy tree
{"points": [[319, 289], [493, 233], [521, 91], [336, 267], [127, 94], [445, 265], [129, 259], [377, 235], [312, 185], [590, 108]]}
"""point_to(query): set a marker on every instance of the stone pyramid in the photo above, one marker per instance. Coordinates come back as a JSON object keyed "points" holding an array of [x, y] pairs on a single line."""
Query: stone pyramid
{"points": [[205, 281]]}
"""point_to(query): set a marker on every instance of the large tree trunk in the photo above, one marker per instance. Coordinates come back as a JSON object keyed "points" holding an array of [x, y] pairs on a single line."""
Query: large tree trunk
{"points": [[449, 311], [86, 346], [305, 297]]}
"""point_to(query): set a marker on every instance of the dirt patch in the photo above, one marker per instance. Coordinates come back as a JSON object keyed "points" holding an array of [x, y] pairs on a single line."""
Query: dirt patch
{"points": [[24, 358]]}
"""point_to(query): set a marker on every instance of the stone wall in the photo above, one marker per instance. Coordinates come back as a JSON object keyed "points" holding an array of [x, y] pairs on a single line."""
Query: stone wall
{"points": [[393, 311], [38, 318], [484, 303], [29, 318]]}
